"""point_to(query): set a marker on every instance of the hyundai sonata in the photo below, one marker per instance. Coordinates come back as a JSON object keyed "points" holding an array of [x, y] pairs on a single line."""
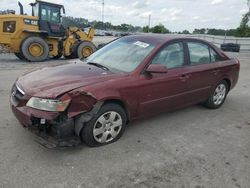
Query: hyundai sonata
{"points": [[130, 78]]}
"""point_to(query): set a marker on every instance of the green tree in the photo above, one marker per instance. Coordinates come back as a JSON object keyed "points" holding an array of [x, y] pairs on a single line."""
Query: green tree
{"points": [[159, 29], [244, 29], [145, 29], [199, 31], [185, 32]]}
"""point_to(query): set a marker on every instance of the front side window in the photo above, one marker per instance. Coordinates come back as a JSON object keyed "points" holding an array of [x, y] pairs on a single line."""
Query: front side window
{"points": [[199, 53], [172, 56]]}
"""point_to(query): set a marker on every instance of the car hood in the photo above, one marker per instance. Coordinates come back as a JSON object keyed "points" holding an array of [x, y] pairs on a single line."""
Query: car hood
{"points": [[53, 81]]}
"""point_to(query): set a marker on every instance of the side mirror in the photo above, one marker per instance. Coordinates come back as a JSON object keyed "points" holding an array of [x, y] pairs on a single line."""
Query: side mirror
{"points": [[157, 68]]}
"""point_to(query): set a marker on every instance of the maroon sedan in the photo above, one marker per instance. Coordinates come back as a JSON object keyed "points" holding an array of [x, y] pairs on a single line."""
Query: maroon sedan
{"points": [[131, 78]]}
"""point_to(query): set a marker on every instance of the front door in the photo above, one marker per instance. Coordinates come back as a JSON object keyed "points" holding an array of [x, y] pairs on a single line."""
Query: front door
{"points": [[164, 91]]}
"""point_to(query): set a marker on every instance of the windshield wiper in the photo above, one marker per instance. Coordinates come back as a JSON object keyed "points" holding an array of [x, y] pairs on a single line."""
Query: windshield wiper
{"points": [[99, 65]]}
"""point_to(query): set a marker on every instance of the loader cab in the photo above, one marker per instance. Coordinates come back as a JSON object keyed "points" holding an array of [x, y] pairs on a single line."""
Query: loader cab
{"points": [[50, 17]]}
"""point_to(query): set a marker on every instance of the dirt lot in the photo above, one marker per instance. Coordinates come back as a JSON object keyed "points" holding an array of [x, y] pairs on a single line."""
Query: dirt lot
{"points": [[193, 147]]}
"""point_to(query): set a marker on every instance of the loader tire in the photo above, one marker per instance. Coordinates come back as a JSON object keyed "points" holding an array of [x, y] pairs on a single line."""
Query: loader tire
{"points": [[35, 49], [85, 49], [20, 56]]}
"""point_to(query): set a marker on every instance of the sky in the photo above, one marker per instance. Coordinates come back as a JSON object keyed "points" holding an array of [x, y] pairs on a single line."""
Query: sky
{"points": [[175, 15]]}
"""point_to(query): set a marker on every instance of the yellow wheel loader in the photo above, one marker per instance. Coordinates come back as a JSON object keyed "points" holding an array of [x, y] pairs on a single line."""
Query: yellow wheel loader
{"points": [[41, 36]]}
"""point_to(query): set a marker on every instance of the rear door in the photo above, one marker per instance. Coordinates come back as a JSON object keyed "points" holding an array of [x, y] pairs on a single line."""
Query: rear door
{"points": [[204, 71]]}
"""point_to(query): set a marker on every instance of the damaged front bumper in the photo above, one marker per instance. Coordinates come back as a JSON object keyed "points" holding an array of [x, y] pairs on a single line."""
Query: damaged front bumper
{"points": [[52, 128], [55, 129]]}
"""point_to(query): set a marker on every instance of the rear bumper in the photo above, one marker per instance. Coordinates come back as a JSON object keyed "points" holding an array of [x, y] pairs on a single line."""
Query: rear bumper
{"points": [[52, 128]]}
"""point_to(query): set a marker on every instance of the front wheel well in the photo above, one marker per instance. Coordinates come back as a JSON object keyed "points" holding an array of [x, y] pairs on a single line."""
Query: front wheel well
{"points": [[120, 103]]}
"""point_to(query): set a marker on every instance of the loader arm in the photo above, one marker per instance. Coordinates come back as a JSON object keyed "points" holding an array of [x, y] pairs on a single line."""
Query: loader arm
{"points": [[74, 37]]}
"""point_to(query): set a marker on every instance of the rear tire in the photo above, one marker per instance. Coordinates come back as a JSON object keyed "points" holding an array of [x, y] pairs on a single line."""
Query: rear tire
{"points": [[85, 49], [35, 49], [218, 96], [105, 127]]}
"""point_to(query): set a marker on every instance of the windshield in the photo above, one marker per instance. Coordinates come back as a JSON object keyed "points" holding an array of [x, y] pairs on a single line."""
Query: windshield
{"points": [[122, 55]]}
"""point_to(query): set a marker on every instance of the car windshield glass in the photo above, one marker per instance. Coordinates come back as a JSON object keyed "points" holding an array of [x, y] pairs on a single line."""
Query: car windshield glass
{"points": [[122, 55]]}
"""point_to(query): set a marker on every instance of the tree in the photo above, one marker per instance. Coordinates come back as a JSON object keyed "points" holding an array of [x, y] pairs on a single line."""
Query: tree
{"points": [[83, 23], [159, 29], [185, 32], [199, 31], [145, 29], [244, 29]]}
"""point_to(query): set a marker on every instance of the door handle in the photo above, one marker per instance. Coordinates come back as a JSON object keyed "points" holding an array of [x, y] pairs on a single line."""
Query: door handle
{"points": [[184, 77], [215, 72]]}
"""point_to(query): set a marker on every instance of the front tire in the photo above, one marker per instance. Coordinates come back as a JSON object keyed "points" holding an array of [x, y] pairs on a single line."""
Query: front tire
{"points": [[106, 126], [85, 49], [219, 95], [35, 49]]}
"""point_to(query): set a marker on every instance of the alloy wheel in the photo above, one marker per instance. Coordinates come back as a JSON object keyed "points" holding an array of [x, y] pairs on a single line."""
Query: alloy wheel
{"points": [[107, 127], [219, 94]]}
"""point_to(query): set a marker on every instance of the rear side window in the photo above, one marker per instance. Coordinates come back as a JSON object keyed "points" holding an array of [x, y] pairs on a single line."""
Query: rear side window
{"points": [[172, 56], [199, 53], [214, 55]]}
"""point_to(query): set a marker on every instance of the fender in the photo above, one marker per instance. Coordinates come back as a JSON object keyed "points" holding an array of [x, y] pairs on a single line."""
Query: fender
{"points": [[44, 33]]}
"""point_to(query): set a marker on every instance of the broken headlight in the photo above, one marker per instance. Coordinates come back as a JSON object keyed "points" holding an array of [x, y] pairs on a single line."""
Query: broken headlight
{"points": [[51, 105]]}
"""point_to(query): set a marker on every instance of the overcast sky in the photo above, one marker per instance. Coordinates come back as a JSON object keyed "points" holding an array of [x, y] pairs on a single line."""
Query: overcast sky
{"points": [[176, 15]]}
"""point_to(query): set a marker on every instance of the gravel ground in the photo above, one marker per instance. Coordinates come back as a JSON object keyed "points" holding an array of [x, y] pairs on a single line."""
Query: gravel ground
{"points": [[193, 147]]}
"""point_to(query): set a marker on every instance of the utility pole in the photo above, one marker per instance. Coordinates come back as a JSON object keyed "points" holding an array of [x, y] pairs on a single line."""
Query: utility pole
{"points": [[248, 4], [248, 14], [149, 20], [103, 15]]}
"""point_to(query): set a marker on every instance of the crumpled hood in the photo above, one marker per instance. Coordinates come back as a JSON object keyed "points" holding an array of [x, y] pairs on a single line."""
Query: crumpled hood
{"points": [[50, 82]]}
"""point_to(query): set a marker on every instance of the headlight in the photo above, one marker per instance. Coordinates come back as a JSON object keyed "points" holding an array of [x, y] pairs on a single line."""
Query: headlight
{"points": [[48, 104]]}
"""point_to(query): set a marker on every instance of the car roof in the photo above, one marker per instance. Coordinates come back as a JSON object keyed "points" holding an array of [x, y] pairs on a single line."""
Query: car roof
{"points": [[160, 39]]}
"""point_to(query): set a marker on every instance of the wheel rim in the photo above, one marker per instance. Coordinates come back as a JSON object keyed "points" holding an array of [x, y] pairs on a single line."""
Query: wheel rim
{"points": [[219, 94], [107, 127], [86, 51], [36, 49]]}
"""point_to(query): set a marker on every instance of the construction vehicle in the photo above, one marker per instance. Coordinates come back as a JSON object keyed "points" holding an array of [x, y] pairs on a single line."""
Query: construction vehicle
{"points": [[41, 36]]}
